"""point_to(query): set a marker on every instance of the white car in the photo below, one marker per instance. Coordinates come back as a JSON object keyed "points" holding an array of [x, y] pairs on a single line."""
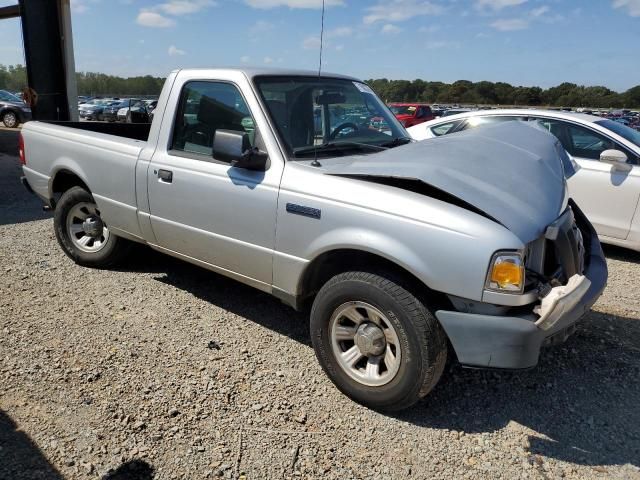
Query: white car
{"points": [[606, 184]]}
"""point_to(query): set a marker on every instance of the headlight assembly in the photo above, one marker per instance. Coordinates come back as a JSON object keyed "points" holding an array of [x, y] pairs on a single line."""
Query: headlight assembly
{"points": [[506, 273]]}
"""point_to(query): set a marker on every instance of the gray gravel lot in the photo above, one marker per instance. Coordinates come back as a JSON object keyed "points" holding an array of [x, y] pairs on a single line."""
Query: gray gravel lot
{"points": [[164, 370]]}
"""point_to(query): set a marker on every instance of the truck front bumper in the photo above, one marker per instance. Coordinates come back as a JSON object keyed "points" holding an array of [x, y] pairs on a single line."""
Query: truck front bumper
{"points": [[514, 342]]}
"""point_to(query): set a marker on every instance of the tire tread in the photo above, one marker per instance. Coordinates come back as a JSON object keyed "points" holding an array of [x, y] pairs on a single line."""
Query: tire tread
{"points": [[432, 338]]}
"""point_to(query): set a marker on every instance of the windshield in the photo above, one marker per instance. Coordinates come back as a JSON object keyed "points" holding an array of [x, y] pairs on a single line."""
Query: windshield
{"points": [[402, 109], [626, 132], [312, 111], [9, 97]]}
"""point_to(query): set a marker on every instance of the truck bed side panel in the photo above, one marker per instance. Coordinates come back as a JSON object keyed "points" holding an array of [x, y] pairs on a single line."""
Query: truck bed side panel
{"points": [[106, 163]]}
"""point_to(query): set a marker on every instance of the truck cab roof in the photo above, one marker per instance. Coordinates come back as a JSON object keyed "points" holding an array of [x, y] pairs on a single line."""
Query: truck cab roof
{"points": [[251, 72]]}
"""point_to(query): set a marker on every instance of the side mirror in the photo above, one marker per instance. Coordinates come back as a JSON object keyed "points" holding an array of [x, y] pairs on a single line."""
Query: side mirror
{"points": [[614, 157], [234, 147]]}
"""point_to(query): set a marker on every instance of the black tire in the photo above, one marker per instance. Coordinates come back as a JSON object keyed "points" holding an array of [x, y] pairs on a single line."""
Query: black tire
{"points": [[10, 119], [422, 340], [114, 249]]}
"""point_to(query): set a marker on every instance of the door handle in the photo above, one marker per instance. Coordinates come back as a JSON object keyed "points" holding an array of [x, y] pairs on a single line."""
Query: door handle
{"points": [[165, 175]]}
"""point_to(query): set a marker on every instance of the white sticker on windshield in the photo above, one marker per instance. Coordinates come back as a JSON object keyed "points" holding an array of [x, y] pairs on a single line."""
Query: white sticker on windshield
{"points": [[363, 88]]}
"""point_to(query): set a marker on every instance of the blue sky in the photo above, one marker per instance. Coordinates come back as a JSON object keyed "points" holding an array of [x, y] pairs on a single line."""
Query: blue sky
{"points": [[523, 42]]}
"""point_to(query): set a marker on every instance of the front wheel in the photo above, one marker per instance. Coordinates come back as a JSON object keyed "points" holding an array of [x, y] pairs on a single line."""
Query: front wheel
{"points": [[82, 233], [376, 341]]}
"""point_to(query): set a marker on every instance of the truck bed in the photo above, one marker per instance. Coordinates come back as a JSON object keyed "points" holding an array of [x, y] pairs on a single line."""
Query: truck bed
{"points": [[135, 131], [104, 156]]}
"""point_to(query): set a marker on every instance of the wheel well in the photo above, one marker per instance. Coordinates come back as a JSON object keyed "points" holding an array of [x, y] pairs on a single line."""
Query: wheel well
{"points": [[64, 180], [331, 263], [8, 109]]}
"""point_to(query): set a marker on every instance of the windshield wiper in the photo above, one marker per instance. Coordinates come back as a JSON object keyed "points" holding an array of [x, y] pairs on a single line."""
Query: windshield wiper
{"points": [[304, 151], [396, 142]]}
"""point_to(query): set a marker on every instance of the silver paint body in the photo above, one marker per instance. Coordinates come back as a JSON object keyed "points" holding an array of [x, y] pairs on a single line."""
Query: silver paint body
{"points": [[235, 221], [608, 195]]}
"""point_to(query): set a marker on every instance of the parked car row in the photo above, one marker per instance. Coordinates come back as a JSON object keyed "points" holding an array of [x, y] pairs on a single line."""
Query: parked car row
{"points": [[130, 110], [606, 152]]}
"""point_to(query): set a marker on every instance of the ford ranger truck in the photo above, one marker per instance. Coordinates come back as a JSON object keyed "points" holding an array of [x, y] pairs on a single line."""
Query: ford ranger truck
{"points": [[400, 250]]}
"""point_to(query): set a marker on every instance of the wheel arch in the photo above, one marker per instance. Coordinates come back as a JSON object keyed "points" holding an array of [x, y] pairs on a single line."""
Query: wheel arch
{"points": [[65, 179], [340, 260]]}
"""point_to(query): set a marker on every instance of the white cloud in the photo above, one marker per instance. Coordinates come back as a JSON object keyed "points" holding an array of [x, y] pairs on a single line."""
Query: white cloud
{"points": [[81, 6], [632, 6], [184, 7], [538, 12], [440, 44], [498, 4], [158, 15], [339, 48], [400, 10], [390, 29], [311, 43], [260, 27], [265, 4], [268, 60], [510, 24], [245, 59], [175, 51], [430, 29], [154, 19], [339, 32]]}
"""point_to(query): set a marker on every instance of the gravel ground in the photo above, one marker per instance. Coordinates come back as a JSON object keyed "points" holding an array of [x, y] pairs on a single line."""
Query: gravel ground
{"points": [[163, 370]]}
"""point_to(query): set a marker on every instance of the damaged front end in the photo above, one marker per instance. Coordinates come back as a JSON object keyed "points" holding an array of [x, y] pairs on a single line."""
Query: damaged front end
{"points": [[515, 176], [566, 273]]}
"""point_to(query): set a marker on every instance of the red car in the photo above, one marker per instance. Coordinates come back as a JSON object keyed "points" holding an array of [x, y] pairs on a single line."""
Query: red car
{"points": [[411, 114]]}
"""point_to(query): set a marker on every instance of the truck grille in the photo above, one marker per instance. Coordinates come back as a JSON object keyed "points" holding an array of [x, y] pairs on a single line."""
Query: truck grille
{"points": [[564, 248]]}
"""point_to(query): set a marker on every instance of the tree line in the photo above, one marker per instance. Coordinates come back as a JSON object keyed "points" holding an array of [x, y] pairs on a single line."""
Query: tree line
{"points": [[14, 78], [501, 93]]}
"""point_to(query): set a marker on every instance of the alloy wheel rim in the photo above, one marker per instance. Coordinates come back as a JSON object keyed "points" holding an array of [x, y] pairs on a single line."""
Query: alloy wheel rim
{"points": [[86, 229], [365, 343], [10, 119]]}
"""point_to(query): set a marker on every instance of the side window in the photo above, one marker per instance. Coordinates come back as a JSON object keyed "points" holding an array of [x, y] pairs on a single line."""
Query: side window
{"points": [[585, 143], [556, 128], [205, 107], [474, 122], [444, 128]]}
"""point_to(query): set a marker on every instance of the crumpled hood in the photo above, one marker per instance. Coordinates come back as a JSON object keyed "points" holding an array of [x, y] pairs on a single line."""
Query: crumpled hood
{"points": [[511, 171]]}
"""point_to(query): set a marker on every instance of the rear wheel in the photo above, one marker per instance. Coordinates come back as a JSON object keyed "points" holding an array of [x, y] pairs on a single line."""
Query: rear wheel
{"points": [[379, 344], [82, 233], [10, 119]]}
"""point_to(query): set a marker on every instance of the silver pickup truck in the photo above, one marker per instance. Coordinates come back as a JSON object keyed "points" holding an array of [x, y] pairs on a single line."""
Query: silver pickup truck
{"points": [[307, 187]]}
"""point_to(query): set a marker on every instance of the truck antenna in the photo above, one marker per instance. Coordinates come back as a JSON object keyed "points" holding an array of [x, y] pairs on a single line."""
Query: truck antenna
{"points": [[315, 162], [321, 39]]}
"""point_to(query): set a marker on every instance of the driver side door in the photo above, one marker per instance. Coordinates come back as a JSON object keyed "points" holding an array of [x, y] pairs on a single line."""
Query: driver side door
{"points": [[204, 208]]}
